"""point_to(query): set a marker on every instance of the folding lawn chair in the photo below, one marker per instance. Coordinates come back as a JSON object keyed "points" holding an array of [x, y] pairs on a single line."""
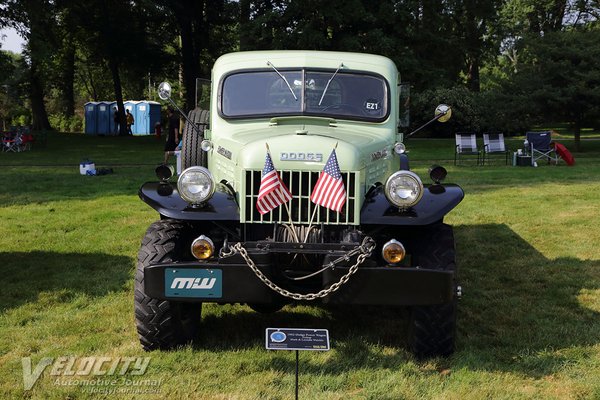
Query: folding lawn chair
{"points": [[539, 146], [493, 143], [10, 142], [466, 145], [26, 139]]}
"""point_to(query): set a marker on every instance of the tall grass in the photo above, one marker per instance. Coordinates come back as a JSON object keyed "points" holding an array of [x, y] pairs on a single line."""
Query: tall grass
{"points": [[529, 264]]}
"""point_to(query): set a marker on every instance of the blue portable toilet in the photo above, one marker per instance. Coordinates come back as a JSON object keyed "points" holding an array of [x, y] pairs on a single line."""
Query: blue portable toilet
{"points": [[132, 106], [104, 117], [90, 109], [146, 116], [111, 123]]}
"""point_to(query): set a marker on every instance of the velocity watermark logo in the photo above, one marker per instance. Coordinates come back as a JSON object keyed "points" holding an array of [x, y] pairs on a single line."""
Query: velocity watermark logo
{"points": [[106, 372]]}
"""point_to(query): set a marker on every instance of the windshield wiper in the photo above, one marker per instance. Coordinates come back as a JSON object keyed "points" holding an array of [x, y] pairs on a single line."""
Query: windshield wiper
{"points": [[329, 81], [284, 79]]}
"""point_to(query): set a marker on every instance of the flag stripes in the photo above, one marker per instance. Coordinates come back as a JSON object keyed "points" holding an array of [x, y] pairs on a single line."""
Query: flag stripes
{"points": [[329, 190], [272, 192]]}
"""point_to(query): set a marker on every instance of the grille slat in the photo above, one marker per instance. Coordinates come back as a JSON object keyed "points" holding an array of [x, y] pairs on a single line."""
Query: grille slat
{"points": [[301, 184]]}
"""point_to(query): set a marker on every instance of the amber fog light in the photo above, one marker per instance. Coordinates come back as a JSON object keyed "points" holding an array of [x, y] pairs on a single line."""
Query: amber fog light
{"points": [[203, 248], [393, 252]]}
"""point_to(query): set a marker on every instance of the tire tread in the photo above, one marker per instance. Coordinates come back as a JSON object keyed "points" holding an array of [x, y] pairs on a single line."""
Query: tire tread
{"points": [[162, 324]]}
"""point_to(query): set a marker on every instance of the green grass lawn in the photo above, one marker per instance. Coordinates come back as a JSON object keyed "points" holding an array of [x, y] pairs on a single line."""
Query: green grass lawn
{"points": [[529, 265]]}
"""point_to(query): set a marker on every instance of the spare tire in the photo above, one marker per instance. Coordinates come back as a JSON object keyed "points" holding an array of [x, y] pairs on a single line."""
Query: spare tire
{"points": [[193, 135]]}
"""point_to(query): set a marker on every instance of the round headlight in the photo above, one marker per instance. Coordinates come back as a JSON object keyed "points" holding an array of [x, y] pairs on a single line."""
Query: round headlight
{"points": [[399, 148], [196, 185], [404, 189]]}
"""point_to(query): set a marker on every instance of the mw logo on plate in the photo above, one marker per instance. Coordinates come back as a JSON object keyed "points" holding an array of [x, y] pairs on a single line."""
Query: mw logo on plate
{"points": [[193, 283]]}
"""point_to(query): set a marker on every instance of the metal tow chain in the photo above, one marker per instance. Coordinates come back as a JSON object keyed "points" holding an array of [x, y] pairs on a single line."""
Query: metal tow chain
{"points": [[363, 251]]}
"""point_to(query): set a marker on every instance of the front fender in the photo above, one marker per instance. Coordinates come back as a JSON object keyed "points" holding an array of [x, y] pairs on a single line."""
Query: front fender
{"points": [[165, 199], [437, 201]]}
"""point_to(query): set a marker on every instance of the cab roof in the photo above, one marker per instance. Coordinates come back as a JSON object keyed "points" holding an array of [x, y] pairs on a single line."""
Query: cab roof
{"points": [[305, 59]]}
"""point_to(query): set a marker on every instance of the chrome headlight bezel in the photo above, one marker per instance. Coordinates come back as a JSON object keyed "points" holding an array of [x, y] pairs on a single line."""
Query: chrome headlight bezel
{"points": [[184, 181], [398, 201]]}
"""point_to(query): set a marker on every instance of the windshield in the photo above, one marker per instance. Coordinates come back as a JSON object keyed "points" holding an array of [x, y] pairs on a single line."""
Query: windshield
{"points": [[346, 95]]}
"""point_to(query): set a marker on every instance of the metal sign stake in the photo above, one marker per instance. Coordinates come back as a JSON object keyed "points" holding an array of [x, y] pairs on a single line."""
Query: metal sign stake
{"points": [[297, 339], [297, 362]]}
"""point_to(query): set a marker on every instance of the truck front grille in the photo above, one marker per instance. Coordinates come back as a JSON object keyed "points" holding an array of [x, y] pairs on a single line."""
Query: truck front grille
{"points": [[301, 184]]}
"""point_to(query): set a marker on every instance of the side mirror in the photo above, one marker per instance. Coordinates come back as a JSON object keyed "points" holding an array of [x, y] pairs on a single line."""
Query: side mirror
{"points": [[164, 90], [443, 112]]}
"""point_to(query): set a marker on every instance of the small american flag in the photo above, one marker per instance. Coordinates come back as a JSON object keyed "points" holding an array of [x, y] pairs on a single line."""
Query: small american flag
{"points": [[273, 191], [329, 191]]}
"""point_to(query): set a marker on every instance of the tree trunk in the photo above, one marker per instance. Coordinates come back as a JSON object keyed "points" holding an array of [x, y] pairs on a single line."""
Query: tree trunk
{"points": [[68, 79], [37, 44], [557, 15], [473, 82], [474, 45], [577, 136], [114, 70], [189, 17], [190, 72], [36, 96], [244, 23], [86, 77]]}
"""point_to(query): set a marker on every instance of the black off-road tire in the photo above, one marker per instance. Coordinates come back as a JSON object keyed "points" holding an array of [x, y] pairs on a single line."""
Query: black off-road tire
{"points": [[191, 153], [432, 329], [163, 324]]}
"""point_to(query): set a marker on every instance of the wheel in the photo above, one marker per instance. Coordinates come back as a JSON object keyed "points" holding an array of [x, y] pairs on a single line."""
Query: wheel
{"points": [[163, 324], [432, 329], [191, 153]]}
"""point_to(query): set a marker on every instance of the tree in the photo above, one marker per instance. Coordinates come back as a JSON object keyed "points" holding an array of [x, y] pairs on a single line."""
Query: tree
{"points": [[30, 19], [115, 36], [476, 21], [205, 33], [560, 76]]}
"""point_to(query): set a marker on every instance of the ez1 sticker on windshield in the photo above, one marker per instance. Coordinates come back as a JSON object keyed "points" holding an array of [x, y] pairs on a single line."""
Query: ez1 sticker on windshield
{"points": [[373, 106]]}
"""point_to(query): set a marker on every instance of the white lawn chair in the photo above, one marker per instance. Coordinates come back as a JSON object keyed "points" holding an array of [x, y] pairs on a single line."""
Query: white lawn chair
{"points": [[466, 145], [493, 143]]}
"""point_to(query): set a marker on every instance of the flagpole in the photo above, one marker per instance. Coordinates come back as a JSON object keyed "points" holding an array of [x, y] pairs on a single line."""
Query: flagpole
{"points": [[310, 223], [287, 208]]}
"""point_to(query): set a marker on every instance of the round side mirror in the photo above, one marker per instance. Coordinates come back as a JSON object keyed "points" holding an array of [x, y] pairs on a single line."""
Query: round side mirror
{"points": [[164, 90], [443, 112]]}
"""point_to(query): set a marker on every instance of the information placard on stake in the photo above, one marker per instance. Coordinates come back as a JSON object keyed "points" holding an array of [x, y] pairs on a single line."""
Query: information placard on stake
{"points": [[297, 339]]}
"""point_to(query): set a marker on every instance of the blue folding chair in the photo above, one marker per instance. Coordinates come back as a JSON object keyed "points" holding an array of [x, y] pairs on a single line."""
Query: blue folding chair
{"points": [[538, 144]]}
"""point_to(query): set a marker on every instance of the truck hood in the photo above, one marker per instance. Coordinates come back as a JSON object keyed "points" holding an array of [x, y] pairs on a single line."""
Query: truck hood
{"points": [[306, 147]]}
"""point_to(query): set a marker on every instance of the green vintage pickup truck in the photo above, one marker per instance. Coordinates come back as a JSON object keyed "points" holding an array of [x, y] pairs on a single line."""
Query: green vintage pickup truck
{"points": [[344, 221]]}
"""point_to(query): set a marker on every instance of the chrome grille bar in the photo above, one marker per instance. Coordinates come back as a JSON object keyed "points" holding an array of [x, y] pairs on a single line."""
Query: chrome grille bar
{"points": [[301, 184]]}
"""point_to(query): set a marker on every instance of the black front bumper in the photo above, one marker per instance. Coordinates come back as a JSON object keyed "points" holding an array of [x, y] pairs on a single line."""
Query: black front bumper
{"points": [[237, 283]]}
